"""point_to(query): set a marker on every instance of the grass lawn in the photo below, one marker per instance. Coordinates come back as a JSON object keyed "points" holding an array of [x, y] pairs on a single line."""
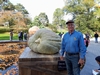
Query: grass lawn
{"points": [[6, 36]]}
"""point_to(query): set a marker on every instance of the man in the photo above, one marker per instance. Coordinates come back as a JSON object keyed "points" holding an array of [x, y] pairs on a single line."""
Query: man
{"points": [[25, 36], [74, 48], [21, 35], [11, 35], [96, 37]]}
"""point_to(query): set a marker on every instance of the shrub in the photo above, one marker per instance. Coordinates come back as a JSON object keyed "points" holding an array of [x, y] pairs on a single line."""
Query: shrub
{"points": [[3, 30]]}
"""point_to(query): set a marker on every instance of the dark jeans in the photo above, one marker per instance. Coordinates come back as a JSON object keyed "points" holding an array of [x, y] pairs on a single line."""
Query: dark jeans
{"points": [[96, 40], [73, 67]]}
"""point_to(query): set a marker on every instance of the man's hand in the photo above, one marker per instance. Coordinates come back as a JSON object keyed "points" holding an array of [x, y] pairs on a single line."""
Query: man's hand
{"points": [[61, 58], [81, 62], [97, 70]]}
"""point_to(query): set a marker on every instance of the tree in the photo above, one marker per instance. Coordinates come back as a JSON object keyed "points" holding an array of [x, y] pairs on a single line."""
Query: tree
{"points": [[7, 17], [21, 8], [58, 16], [27, 21], [43, 18], [9, 6], [84, 16], [1, 1], [97, 16], [36, 21]]}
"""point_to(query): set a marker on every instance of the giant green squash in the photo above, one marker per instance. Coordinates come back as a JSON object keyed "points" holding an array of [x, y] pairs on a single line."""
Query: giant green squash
{"points": [[45, 41]]}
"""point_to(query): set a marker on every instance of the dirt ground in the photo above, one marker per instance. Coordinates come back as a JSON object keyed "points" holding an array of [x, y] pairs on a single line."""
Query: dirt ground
{"points": [[10, 52], [12, 46]]}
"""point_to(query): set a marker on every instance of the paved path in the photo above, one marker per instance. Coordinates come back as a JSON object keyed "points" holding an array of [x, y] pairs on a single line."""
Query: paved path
{"points": [[9, 69], [12, 41], [93, 51]]}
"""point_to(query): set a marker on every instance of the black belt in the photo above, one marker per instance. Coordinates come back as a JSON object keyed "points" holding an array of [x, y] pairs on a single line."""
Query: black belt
{"points": [[72, 53]]}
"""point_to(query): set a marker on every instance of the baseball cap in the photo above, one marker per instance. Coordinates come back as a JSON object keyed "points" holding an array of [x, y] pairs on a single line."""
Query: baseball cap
{"points": [[70, 21]]}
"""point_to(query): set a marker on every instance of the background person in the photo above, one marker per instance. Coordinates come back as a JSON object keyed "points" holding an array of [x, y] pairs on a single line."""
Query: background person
{"points": [[21, 35], [11, 35], [87, 36], [96, 37], [60, 34], [86, 41], [25, 36], [74, 48]]}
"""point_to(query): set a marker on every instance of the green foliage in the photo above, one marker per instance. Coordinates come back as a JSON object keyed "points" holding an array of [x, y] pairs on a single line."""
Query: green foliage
{"points": [[9, 6], [25, 11], [11, 22], [63, 24], [43, 18], [86, 19], [27, 21], [3, 29], [20, 7], [21, 29], [36, 21], [53, 27], [1, 1], [58, 16], [6, 29]]}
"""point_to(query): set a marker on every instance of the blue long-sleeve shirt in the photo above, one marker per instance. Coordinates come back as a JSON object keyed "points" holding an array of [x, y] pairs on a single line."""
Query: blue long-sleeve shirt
{"points": [[73, 43], [99, 67]]}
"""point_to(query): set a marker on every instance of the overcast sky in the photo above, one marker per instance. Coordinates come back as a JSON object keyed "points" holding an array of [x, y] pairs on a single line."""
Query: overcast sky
{"points": [[34, 7]]}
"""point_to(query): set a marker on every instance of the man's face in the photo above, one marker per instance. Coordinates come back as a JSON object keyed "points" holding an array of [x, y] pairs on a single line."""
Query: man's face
{"points": [[70, 27], [98, 62]]}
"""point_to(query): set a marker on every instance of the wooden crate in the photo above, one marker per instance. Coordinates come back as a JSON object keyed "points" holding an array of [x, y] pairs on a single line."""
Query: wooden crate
{"points": [[31, 63]]}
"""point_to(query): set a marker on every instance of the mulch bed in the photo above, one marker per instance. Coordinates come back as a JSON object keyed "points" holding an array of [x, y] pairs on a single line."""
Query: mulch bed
{"points": [[9, 54]]}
